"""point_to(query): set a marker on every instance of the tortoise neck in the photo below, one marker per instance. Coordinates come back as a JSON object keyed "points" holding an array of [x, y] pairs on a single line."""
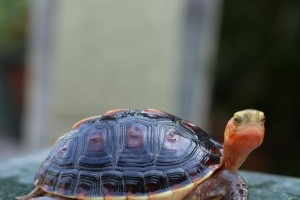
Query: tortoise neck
{"points": [[233, 157], [238, 144]]}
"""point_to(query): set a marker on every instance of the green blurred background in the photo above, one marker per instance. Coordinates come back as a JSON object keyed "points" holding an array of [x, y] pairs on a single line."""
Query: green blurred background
{"points": [[110, 54]]}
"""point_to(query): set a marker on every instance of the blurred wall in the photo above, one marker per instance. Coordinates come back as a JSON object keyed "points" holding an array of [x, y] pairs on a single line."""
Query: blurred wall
{"points": [[87, 58], [113, 54]]}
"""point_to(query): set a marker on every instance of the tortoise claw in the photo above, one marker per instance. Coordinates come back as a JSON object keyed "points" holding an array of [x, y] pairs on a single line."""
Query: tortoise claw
{"points": [[239, 191]]}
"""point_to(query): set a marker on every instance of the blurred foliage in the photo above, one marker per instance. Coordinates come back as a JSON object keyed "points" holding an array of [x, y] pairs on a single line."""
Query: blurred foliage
{"points": [[13, 22], [259, 67], [13, 27]]}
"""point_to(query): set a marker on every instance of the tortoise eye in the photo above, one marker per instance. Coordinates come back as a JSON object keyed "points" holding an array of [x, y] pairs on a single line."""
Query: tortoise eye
{"points": [[237, 119]]}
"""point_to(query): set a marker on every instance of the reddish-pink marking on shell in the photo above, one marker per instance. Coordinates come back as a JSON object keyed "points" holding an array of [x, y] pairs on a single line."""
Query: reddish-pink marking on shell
{"points": [[115, 111], [63, 151], [61, 190], [96, 141], [76, 125], [173, 140], [135, 136], [84, 190], [155, 111]]}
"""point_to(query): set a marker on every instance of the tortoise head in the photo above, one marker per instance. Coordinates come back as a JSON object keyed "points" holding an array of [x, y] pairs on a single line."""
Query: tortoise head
{"points": [[244, 132]]}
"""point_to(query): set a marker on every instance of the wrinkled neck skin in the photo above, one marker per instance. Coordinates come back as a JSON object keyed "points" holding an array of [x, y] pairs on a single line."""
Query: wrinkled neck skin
{"points": [[239, 142]]}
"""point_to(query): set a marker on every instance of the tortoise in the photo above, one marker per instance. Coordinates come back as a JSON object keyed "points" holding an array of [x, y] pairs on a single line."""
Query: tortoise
{"points": [[148, 154]]}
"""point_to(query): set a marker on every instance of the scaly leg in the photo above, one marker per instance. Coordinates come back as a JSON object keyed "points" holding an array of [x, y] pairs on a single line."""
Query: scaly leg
{"points": [[223, 184]]}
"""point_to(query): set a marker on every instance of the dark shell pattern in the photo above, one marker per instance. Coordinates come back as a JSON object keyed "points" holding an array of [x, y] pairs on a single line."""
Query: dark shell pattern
{"points": [[128, 152]]}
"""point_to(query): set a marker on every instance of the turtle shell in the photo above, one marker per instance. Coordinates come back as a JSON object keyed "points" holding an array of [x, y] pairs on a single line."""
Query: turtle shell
{"points": [[129, 154]]}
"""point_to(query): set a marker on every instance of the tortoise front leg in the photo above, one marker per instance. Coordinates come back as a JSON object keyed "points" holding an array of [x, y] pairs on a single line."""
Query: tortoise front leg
{"points": [[223, 184]]}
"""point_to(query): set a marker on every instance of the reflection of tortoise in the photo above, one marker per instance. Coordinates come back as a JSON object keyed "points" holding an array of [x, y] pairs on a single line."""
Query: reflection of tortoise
{"points": [[150, 154]]}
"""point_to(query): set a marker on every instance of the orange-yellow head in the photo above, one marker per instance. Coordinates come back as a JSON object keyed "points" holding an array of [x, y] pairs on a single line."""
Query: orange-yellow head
{"points": [[244, 132]]}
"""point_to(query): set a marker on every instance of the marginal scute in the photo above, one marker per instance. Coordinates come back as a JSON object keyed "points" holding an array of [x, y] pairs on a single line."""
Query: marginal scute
{"points": [[50, 179], [199, 181], [153, 113], [67, 179], [166, 195], [177, 178], [129, 154], [115, 111], [134, 183], [183, 191], [79, 123], [132, 197], [113, 184], [88, 185], [115, 198], [197, 131], [156, 181], [115, 114]]}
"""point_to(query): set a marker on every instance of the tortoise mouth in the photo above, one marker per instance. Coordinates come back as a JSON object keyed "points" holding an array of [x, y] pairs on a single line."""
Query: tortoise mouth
{"points": [[260, 128], [251, 134]]}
